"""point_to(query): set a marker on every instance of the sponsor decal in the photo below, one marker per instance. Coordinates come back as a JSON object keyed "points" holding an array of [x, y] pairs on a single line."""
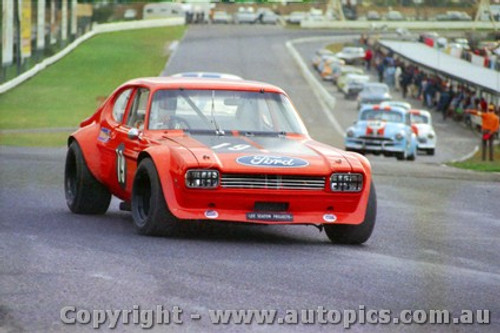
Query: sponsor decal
{"points": [[211, 214], [330, 218], [104, 135], [272, 161], [268, 216]]}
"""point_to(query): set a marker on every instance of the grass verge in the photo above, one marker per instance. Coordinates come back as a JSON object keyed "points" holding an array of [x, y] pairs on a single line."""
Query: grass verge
{"points": [[67, 92], [477, 164]]}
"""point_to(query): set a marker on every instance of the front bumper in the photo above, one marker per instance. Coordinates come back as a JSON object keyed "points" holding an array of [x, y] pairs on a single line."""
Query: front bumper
{"points": [[375, 145], [304, 207]]}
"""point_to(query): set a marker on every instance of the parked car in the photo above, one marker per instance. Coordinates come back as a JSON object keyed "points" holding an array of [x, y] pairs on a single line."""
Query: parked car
{"points": [[352, 84], [330, 65], [215, 150], [454, 16], [221, 16], [245, 15], [373, 15], [351, 54], [385, 131], [394, 15], [426, 136], [296, 17], [267, 16], [373, 93], [319, 55], [343, 70]]}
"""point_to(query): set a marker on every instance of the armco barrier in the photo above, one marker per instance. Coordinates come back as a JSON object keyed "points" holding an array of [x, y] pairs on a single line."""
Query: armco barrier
{"points": [[96, 29]]}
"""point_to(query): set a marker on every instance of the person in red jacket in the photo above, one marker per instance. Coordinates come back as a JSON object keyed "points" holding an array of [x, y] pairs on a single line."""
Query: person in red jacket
{"points": [[368, 59], [490, 127]]}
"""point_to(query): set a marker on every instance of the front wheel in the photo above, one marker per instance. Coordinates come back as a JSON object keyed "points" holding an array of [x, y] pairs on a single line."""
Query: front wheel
{"points": [[84, 193], [359, 233], [149, 208]]}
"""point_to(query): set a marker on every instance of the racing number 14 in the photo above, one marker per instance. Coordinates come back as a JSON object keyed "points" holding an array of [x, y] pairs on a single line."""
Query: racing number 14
{"points": [[121, 166]]}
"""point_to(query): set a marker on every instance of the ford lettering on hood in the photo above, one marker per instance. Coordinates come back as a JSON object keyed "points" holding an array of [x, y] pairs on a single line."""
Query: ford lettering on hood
{"points": [[272, 161]]}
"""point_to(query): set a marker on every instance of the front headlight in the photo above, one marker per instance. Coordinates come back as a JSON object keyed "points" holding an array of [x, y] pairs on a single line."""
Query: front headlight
{"points": [[202, 178], [346, 182], [430, 135], [399, 136], [350, 133]]}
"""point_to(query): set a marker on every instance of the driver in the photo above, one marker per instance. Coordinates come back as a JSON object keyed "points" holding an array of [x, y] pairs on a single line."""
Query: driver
{"points": [[163, 110]]}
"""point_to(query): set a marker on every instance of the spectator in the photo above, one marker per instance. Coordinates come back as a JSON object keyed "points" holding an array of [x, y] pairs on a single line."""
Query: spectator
{"points": [[406, 79], [489, 127], [397, 78], [368, 59]]}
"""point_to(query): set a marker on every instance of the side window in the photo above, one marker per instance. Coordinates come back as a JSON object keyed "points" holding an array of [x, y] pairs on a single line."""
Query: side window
{"points": [[121, 104], [138, 110]]}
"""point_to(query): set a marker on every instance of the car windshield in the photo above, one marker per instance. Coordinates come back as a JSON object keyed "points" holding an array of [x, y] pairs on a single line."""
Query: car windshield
{"points": [[385, 115], [375, 90], [419, 119], [223, 110]]}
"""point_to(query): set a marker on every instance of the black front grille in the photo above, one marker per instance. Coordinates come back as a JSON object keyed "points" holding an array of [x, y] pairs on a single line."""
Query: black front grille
{"points": [[272, 182]]}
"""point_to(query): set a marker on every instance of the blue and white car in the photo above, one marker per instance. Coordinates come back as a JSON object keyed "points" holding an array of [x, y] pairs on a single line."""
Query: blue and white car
{"points": [[382, 131]]}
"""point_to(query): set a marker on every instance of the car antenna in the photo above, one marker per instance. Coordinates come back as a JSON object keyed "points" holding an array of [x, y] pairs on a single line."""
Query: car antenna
{"points": [[218, 131]]}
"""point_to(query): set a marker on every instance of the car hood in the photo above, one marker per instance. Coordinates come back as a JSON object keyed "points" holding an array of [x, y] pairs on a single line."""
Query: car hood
{"points": [[264, 154], [378, 128]]}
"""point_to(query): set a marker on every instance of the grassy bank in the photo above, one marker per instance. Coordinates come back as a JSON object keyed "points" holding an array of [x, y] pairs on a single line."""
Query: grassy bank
{"points": [[477, 164], [67, 92]]}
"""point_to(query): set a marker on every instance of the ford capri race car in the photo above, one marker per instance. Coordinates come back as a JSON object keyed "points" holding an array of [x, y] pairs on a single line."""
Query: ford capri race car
{"points": [[383, 130], [184, 150]]}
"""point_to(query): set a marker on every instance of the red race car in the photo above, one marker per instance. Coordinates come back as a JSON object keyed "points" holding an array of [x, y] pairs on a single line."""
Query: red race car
{"points": [[178, 150]]}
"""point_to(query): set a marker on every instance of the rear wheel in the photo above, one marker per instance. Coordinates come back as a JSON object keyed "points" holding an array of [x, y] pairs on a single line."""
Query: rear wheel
{"points": [[359, 233], [84, 194], [149, 208]]}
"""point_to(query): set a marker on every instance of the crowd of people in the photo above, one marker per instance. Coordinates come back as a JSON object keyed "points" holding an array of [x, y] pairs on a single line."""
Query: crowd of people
{"points": [[453, 100]]}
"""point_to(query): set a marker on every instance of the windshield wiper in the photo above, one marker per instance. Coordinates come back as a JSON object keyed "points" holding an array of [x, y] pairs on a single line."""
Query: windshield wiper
{"points": [[218, 131]]}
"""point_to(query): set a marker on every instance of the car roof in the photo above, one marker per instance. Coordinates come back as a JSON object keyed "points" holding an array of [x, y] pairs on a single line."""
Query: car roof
{"points": [[423, 112], [208, 75], [190, 83], [385, 108]]}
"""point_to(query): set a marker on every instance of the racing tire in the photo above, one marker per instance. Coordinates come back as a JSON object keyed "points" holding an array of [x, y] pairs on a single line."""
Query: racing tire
{"points": [[430, 151], [150, 212], [84, 193], [411, 157], [359, 233]]}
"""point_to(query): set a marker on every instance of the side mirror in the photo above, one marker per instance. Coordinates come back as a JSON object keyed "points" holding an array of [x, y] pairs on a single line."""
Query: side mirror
{"points": [[133, 134]]}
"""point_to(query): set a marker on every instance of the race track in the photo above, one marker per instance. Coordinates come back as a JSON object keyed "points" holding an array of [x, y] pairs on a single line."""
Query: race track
{"points": [[435, 245]]}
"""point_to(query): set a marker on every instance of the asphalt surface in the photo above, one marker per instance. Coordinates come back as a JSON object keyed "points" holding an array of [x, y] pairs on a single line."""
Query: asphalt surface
{"points": [[435, 245]]}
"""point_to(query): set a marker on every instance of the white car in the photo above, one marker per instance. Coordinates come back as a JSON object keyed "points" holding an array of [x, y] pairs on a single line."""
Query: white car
{"points": [[401, 104], [421, 121], [353, 84], [296, 17], [351, 54]]}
